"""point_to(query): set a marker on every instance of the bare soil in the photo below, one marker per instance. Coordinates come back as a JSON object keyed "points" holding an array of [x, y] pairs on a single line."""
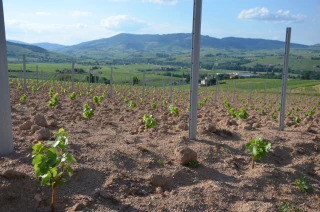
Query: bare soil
{"points": [[116, 156]]}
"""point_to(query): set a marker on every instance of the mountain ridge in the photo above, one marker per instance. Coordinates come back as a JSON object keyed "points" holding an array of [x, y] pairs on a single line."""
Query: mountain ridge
{"points": [[15, 52], [49, 46], [147, 38], [169, 42]]}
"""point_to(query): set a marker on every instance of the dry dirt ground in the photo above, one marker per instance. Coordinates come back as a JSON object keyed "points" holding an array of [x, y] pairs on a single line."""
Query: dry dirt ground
{"points": [[116, 157]]}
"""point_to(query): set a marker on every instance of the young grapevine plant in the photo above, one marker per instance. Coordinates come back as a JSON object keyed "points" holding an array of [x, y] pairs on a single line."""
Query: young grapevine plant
{"points": [[132, 104], [51, 92], [87, 111], [174, 110], [96, 100], [258, 149], [54, 100], [52, 161], [302, 184], [23, 98], [149, 121], [153, 105], [72, 96]]}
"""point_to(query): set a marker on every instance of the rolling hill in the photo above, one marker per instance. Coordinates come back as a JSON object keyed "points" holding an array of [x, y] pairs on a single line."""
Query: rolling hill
{"points": [[49, 46], [169, 43], [15, 52]]}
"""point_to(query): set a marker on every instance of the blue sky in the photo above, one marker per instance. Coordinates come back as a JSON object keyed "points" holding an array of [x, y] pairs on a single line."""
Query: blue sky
{"points": [[70, 22]]}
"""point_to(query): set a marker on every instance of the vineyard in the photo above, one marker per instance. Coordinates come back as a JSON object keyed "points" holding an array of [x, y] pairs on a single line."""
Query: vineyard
{"points": [[129, 150]]}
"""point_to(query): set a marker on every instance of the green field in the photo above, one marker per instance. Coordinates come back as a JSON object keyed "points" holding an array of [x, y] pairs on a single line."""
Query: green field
{"points": [[121, 73]]}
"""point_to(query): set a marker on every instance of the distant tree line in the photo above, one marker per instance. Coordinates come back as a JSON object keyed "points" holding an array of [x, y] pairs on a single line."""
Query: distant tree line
{"points": [[12, 70]]}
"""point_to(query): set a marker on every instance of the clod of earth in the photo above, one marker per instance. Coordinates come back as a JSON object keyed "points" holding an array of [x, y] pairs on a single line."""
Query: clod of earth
{"points": [[13, 174], [26, 125], [40, 120], [42, 134], [184, 155], [158, 180]]}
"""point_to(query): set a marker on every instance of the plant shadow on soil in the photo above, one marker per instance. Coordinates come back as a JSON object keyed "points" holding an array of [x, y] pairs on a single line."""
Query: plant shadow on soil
{"points": [[20, 193], [188, 177]]}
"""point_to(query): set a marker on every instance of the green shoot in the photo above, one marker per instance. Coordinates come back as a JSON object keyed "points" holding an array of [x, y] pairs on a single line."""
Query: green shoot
{"points": [[241, 114], [96, 100], [54, 100], [23, 98], [132, 104], [258, 149], [153, 105], [286, 207], [52, 161], [296, 119], [51, 92], [72, 96], [174, 110], [302, 184], [149, 121], [87, 111]]}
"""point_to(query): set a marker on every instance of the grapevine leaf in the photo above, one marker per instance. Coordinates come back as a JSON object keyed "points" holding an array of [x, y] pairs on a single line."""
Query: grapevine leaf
{"points": [[70, 158], [52, 156], [46, 179], [69, 170], [62, 182], [38, 159], [37, 148]]}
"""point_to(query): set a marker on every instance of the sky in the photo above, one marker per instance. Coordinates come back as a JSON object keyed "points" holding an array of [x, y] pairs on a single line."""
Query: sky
{"points": [[70, 22]]}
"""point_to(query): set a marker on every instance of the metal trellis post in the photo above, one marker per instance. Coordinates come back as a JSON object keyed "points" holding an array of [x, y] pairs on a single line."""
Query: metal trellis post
{"points": [[284, 79], [195, 66]]}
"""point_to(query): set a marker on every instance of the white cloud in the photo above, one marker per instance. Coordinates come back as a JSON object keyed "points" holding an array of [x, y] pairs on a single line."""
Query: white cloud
{"points": [[263, 14], [120, 22], [80, 13], [34, 32], [43, 13], [172, 2]]}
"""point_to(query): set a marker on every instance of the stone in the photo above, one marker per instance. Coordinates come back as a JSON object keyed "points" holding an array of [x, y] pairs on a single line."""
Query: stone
{"points": [[141, 129], [38, 198], [184, 155], [78, 207], [239, 122], [210, 128], [13, 174], [159, 190], [233, 122], [256, 125], [26, 125], [40, 120], [158, 180], [34, 128], [247, 127], [121, 118], [42, 134]]}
